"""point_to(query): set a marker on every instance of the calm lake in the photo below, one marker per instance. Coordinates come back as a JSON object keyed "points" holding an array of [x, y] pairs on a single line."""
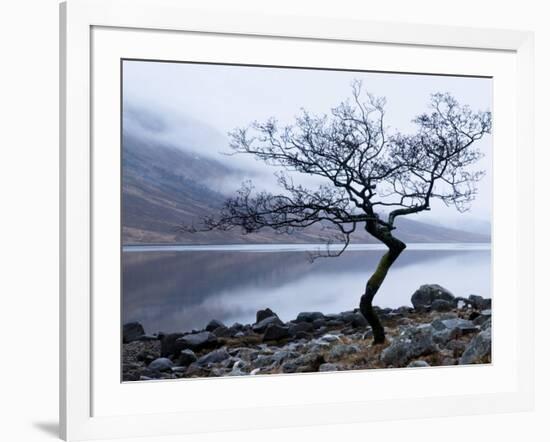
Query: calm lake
{"points": [[178, 288]]}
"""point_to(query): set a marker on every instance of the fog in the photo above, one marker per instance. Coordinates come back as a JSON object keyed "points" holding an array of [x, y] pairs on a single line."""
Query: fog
{"points": [[194, 106]]}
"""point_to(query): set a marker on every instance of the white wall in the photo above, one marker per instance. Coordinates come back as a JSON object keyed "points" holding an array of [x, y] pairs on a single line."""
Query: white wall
{"points": [[28, 217]]}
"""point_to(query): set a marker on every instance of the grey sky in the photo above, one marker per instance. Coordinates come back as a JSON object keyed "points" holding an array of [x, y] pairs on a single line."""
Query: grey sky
{"points": [[196, 105]]}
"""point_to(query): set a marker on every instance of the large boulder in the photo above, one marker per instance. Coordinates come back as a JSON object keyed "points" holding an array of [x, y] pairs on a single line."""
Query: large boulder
{"points": [[266, 313], [274, 332], [168, 344], [132, 331], [187, 357], [441, 305], [261, 326], [213, 357], [411, 344], [359, 321], [478, 348], [161, 364], [446, 330], [425, 296], [196, 342]]}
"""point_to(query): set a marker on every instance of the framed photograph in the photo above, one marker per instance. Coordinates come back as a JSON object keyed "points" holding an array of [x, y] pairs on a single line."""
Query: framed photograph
{"points": [[325, 220]]}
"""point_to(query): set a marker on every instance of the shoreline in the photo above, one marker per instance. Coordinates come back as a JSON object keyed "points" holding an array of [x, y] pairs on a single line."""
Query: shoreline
{"points": [[439, 330]]}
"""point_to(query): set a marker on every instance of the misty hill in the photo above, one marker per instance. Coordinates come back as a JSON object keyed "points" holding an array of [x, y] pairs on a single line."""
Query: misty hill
{"points": [[164, 187]]}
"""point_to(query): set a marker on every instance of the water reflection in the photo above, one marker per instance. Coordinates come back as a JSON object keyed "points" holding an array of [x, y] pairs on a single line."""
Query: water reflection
{"points": [[176, 291]]}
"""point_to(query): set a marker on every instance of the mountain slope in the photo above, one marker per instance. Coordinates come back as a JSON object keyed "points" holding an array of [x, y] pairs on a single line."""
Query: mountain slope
{"points": [[164, 187]]}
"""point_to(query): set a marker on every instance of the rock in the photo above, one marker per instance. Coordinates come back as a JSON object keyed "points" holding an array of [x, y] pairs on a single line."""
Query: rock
{"points": [[148, 338], [328, 367], [303, 335], [456, 346], [440, 305], [222, 332], [479, 303], [246, 354], [213, 357], [413, 343], [424, 297], [168, 344], [317, 346], [359, 321], [305, 363], [464, 325], [418, 363], [403, 310], [237, 372], [187, 357], [294, 328], [448, 361], [196, 341], [309, 316], [213, 325], [318, 323], [334, 317], [281, 355], [194, 370], [348, 317], [261, 326], [397, 354], [274, 332], [132, 331], [161, 364], [263, 361], [240, 364], [445, 335], [337, 352], [478, 348], [330, 338], [146, 356], [236, 327], [263, 314], [483, 317]]}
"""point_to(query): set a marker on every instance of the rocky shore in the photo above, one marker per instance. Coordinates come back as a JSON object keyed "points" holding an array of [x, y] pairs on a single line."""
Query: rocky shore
{"points": [[440, 329]]}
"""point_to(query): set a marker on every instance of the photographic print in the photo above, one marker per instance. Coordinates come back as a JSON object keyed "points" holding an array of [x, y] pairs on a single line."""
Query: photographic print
{"points": [[284, 220]]}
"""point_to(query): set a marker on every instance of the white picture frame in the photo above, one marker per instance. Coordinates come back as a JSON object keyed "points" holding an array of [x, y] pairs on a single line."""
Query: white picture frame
{"points": [[91, 405]]}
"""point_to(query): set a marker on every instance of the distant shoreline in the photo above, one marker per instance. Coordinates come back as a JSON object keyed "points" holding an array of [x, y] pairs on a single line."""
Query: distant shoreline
{"points": [[298, 247]]}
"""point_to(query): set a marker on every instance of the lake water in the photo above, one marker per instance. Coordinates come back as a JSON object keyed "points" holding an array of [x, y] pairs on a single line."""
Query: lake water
{"points": [[178, 288]]}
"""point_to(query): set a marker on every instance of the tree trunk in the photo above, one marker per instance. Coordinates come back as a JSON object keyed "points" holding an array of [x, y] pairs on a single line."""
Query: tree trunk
{"points": [[395, 247]]}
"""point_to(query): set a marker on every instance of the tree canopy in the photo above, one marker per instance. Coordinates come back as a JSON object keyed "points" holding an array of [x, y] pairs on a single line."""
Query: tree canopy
{"points": [[371, 175]]}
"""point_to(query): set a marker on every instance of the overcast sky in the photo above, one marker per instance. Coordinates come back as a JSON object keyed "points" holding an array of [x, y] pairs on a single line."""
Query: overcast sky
{"points": [[194, 106]]}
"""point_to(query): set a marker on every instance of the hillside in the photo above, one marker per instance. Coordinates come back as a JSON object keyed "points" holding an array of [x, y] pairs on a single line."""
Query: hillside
{"points": [[164, 187]]}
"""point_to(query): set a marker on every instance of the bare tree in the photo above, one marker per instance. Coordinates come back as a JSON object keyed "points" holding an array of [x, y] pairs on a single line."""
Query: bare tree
{"points": [[370, 176]]}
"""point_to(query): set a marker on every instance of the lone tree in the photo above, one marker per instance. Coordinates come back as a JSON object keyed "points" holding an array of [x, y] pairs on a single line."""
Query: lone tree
{"points": [[370, 176]]}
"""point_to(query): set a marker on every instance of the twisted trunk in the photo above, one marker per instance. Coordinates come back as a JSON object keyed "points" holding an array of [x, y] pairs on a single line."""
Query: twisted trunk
{"points": [[395, 247]]}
